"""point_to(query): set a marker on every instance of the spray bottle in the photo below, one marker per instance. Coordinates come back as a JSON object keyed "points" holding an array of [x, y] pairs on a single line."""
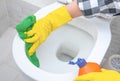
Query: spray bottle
{"points": [[86, 67]]}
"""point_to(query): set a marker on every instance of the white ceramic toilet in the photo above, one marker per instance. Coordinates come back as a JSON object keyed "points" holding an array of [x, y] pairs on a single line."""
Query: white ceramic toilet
{"points": [[80, 38]]}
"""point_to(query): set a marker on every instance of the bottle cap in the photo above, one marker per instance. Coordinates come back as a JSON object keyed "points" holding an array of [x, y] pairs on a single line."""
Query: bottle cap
{"points": [[80, 62]]}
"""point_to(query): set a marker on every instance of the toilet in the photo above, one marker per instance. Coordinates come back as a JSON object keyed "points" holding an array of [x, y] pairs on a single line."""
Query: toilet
{"points": [[80, 38]]}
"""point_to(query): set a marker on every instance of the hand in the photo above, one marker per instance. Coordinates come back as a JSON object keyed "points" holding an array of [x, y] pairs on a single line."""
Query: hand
{"points": [[43, 27], [105, 75], [23, 26]]}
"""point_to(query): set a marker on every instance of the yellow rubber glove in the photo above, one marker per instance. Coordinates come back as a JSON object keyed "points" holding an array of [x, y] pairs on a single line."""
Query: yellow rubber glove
{"points": [[105, 75], [44, 26]]}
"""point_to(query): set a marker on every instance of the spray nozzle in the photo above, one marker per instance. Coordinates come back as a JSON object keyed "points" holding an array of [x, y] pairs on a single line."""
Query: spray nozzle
{"points": [[80, 62]]}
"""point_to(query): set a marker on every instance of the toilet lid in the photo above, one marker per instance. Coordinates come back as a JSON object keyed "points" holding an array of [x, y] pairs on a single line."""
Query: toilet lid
{"points": [[32, 71]]}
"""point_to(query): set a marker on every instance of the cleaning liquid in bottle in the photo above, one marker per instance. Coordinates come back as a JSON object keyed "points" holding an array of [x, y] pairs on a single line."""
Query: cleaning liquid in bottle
{"points": [[86, 67]]}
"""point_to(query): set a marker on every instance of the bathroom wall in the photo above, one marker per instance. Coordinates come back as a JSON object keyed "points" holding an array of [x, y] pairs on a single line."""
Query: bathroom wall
{"points": [[3, 16], [18, 10], [40, 3]]}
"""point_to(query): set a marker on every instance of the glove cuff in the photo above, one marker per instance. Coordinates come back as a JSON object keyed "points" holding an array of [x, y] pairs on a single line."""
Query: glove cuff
{"points": [[59, 17]]}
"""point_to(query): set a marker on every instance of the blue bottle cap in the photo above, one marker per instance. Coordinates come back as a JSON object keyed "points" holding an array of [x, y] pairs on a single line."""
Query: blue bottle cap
{"points": [[80, 62]]}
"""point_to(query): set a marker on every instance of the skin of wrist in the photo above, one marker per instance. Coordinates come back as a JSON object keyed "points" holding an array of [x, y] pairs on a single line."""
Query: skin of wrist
{"points": [[73, 9]]}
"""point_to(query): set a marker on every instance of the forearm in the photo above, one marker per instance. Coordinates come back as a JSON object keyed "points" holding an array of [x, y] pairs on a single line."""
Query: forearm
{"points": [[74, 9], [91, 8]]}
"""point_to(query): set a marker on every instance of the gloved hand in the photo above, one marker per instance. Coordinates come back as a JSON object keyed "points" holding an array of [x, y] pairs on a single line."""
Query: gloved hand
{"points": [[26, 25], [43, 27], [105, 75]]}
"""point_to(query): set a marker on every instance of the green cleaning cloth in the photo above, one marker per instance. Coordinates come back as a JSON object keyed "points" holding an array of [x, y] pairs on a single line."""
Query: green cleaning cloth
{"points": [[22, 27]]}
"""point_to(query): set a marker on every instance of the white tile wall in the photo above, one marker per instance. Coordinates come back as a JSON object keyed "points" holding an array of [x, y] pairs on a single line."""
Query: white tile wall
{"points": [[3, 16], [6, 45], [7, 73], [18, 10], [40, 3]]}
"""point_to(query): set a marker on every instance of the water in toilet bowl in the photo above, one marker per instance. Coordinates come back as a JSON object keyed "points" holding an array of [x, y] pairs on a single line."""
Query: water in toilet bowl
{"points": [[65, 44]]}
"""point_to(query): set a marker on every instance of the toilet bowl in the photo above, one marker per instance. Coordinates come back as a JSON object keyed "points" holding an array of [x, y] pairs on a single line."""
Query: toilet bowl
{"points": [[80, 38]]}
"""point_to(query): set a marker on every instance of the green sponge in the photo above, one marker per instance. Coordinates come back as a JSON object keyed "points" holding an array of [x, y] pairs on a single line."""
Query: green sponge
{"points": [[25, 26]]}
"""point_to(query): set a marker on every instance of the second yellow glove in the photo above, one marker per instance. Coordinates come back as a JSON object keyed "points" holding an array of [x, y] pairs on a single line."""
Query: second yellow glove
{"points": [[105, 75], [43, 27]]}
